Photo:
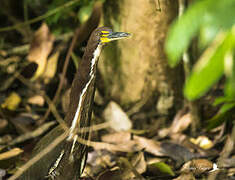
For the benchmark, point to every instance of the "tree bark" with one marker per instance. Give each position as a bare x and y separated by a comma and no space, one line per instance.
135,71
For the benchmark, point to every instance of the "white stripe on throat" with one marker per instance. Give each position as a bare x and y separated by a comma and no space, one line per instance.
76,120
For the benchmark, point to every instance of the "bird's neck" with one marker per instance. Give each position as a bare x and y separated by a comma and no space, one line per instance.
82,88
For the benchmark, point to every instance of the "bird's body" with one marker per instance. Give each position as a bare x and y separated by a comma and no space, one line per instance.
67,160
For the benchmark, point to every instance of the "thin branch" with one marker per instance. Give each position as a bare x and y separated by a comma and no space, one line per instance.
187,68
23,49
48,100
39,131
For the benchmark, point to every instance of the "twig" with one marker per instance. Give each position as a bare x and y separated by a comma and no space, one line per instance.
39,131
103,145
11,153
187,67
25,48
48,100
96,127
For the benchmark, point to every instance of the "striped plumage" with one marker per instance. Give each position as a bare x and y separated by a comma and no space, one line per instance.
67,160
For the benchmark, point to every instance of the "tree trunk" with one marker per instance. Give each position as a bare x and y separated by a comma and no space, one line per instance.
135,71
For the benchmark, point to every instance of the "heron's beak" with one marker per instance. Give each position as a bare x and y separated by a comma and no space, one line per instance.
111,36
118,35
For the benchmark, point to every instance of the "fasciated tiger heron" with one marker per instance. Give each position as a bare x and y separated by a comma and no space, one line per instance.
67,160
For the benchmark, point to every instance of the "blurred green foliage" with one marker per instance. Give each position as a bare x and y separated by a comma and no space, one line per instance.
85,12
78,13
213,23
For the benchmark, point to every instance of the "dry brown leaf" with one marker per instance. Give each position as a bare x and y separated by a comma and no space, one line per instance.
120,141
139,163
9,154
129,146
51,67
118,119
117,138
231,172
162,133
149,145
36,100
3,124
197,166
124,141
3,53
134,167
40,48
181,124
98,161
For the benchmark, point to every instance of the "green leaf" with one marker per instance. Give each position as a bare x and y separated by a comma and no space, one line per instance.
85,12
230,72
220,100
209,68
216,121
229,88
226,107
207,34
54,19
221,14
222,116
205,15
163,167
183,30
